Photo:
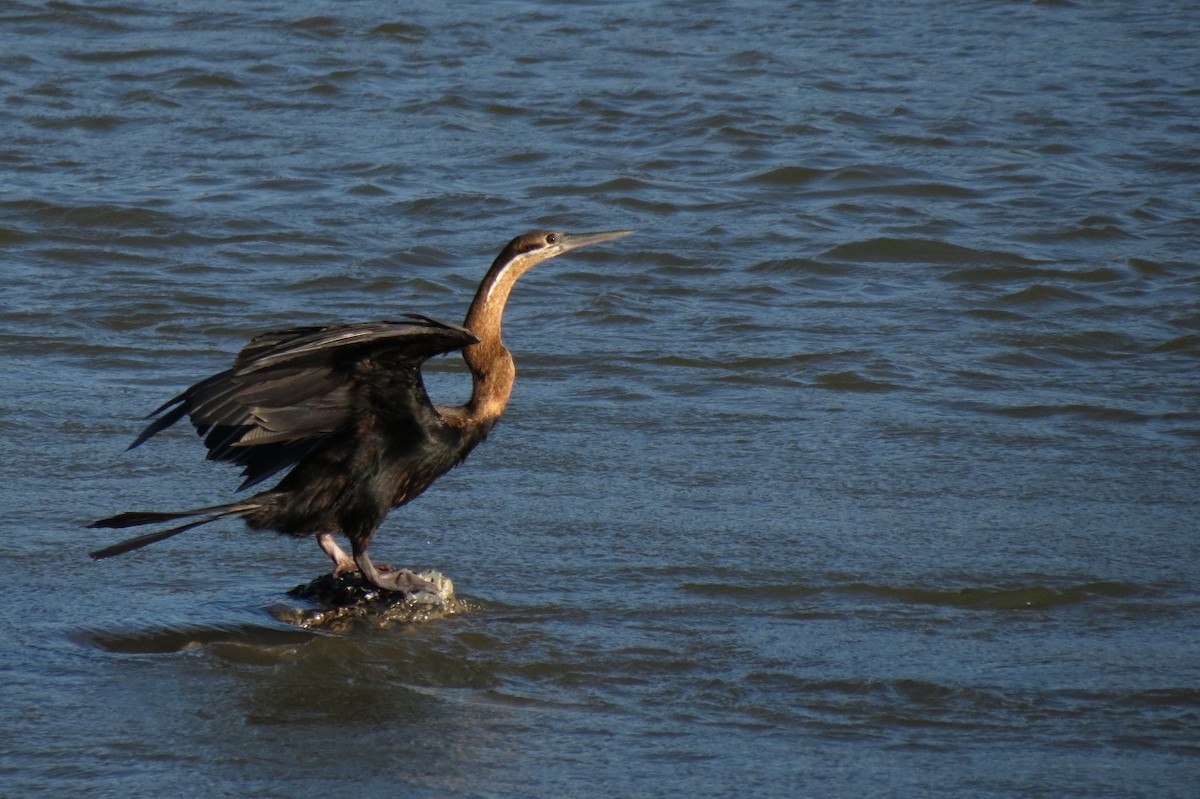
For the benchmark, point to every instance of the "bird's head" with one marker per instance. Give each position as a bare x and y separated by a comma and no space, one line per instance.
530,249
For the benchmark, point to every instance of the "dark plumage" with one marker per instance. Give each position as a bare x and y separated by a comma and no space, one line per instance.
344,407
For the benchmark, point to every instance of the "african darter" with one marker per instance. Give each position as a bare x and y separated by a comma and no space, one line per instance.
345,408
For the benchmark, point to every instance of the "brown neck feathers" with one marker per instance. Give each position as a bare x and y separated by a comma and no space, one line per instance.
491,364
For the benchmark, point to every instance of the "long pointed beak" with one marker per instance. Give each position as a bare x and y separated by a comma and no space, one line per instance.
571,241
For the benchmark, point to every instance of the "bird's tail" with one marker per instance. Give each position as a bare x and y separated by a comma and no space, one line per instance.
135,518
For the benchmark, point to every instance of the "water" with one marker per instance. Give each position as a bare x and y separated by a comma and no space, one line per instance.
869,466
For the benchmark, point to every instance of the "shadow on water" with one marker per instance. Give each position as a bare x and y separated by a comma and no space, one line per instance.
417,649
382,708
270,674
438,653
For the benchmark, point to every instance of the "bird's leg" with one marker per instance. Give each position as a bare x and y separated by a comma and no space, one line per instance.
403,580
342,563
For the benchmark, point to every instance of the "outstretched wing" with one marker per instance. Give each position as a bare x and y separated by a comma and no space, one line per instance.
289,390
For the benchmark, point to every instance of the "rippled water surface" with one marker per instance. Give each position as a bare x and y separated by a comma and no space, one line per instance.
869,466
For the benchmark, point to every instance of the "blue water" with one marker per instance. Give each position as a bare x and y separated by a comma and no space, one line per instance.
869,466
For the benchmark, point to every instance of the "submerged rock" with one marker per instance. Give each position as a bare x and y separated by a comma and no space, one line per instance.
338,603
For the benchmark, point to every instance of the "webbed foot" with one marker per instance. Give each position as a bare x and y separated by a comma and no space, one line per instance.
404,580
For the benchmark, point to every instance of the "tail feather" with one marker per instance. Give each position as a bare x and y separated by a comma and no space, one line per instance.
135,518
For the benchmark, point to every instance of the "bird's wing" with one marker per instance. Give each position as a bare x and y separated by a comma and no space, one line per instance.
289,390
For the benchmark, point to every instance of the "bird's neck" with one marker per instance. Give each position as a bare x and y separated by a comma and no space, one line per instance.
492,369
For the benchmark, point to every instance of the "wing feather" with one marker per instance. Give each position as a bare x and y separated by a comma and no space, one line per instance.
288,391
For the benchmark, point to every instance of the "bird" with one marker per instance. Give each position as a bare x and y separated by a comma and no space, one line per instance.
344,409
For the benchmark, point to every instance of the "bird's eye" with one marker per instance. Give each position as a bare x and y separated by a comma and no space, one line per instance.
552,238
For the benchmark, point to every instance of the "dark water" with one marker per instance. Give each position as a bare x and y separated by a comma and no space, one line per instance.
868,467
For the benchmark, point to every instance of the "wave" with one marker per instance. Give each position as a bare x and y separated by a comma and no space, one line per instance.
896,250
163,640
967,597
